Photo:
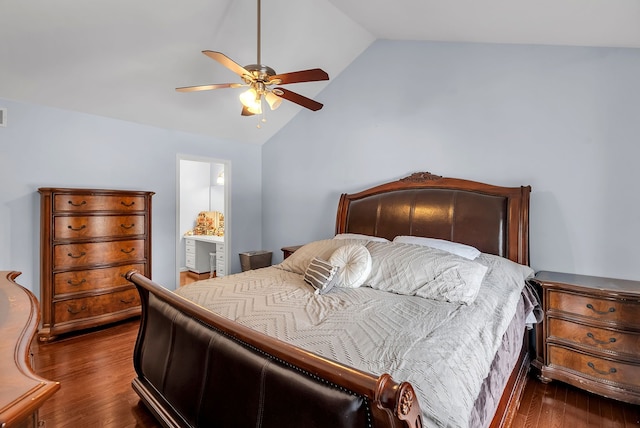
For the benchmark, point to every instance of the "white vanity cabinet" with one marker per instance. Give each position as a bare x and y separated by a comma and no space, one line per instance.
200,250
220,265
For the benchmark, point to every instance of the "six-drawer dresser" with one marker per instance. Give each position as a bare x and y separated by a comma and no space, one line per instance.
590,335
90,239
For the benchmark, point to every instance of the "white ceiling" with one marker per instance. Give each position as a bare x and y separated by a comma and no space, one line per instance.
122,59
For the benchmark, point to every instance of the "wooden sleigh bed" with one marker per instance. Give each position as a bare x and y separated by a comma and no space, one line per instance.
197,368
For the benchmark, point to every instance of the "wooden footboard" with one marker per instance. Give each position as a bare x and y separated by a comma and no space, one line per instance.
195,368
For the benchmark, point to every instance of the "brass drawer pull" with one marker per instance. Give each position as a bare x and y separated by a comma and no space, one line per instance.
82,254
128,204
602,372
71,311
127,251
590,306
75,229
131,300
75,284
77,205
127,226
601,342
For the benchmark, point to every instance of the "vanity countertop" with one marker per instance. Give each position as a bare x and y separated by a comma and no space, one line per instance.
206,238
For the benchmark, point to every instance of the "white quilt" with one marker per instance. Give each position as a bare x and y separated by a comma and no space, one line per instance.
444,349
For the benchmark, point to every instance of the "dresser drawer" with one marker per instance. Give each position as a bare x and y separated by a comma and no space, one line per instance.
593,307
79,227
599,338
220,256
86,203
95,279
594,367
76,255
93,306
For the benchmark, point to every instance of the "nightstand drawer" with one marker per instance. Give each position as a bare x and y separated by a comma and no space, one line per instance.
592,307
594,367
598,338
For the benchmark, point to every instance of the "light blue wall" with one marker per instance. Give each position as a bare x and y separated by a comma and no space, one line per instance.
45,147
565,120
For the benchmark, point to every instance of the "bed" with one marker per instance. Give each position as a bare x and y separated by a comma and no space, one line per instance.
263,348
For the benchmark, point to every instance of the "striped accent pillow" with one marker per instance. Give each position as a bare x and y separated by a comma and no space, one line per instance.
321,275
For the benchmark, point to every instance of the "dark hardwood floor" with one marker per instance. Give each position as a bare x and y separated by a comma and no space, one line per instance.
560,405
95,370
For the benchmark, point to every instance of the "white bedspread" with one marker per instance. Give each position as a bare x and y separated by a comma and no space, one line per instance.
444,349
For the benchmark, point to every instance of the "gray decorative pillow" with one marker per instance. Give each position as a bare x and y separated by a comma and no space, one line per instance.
299,261
321,275
416,270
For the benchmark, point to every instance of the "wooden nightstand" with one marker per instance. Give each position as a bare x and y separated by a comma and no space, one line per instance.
590,336
287,251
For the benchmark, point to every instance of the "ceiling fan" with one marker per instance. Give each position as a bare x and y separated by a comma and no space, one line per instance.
262,82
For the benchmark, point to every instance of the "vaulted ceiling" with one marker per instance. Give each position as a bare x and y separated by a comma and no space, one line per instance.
123,59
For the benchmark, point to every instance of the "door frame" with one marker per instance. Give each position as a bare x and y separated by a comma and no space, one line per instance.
227,207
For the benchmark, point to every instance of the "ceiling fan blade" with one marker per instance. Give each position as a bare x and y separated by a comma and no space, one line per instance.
227,62
298,99
311,75
246,112
209,87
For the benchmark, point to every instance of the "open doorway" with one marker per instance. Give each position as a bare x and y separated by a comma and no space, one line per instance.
202,212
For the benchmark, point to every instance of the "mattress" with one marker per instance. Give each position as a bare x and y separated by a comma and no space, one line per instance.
444,349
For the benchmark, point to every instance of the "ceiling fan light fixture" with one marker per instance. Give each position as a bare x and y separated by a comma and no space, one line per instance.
273,100
252,101
260,79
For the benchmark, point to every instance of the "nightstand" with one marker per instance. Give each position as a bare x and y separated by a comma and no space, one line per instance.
590,336
287,251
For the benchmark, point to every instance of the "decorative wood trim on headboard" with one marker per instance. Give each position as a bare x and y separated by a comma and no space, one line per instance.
457,204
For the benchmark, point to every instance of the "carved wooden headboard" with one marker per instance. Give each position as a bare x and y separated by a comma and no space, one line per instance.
491,218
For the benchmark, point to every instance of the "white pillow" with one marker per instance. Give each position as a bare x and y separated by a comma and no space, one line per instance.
360,236
298,262
354,263
415,270
466,251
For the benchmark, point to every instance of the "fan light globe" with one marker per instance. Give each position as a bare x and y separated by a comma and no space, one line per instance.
273,100
252,101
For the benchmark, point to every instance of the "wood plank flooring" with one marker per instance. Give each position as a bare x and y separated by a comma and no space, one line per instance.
557,405
95,370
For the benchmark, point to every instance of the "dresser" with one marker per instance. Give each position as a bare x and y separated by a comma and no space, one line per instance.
22,391
590,336
89,240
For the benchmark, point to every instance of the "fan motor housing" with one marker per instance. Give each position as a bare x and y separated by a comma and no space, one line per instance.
260,72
